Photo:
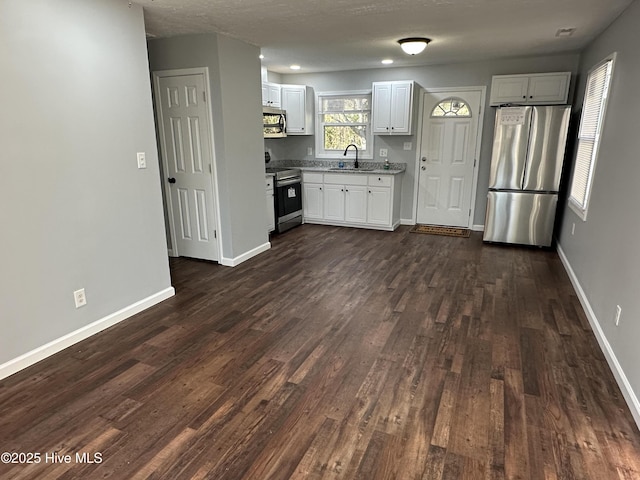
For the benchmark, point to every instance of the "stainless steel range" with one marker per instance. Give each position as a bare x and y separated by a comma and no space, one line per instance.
288,197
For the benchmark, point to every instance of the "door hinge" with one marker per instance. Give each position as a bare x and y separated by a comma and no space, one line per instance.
475,161
204,96
211,168
215,234
469,213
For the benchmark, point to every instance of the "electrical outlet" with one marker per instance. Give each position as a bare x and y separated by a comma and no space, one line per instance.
309,151
383,152
407,146
80,298
142,161
573,229
618,313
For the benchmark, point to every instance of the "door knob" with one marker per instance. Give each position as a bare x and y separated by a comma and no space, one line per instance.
171,180
424,168
424,159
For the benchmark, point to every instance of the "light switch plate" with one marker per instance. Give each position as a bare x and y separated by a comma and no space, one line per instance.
407,146
142,161
309,151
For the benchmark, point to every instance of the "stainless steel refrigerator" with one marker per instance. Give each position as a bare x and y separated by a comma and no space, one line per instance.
526,164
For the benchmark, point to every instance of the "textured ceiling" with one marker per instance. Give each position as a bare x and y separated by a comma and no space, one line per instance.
331,35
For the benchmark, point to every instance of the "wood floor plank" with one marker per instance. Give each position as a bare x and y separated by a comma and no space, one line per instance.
338,354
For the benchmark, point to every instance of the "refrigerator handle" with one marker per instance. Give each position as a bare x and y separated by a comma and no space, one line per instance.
532,125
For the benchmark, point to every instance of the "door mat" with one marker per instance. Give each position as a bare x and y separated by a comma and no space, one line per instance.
448,231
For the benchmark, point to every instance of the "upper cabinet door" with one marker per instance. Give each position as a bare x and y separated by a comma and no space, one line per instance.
549,88
392,107
509,89
271,95
297,101
401,108
534,89
381,107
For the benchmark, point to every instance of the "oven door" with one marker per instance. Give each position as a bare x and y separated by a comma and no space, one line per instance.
289,198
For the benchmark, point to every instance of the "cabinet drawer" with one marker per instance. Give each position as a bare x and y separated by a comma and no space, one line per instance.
380,180
311,177
269,182
345,179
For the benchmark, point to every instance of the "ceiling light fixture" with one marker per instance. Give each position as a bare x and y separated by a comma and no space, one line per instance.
387,61
565,32
413,45
261,57
295,67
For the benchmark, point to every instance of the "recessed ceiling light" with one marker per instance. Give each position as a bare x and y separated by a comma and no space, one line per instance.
261,57
565,32
387,61
295,67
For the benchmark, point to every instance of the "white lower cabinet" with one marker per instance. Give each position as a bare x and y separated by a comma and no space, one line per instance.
334,202
379,206
366,201
313,201
355,204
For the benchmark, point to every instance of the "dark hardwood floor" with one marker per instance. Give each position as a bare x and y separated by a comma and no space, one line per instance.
338,354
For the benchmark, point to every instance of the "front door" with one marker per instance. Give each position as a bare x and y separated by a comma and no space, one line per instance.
187,151
447,157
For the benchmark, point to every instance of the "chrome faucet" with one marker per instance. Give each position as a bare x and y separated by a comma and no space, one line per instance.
355,165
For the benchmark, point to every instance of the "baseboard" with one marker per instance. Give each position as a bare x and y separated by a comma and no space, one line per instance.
408,221
40,353
605,346
232,262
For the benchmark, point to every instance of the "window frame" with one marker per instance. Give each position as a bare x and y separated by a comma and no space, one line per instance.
319,141
581,209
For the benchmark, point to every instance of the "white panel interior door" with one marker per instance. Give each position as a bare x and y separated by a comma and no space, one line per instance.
187,152
446,175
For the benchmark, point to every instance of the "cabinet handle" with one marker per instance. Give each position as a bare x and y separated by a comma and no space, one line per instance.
424,168
320,188
530,96
524,96
369,191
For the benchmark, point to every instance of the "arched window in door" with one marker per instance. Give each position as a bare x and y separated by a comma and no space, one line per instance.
451,107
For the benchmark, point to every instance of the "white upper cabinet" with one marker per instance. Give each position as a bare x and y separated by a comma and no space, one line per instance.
392,107
271,95
534,89
297,101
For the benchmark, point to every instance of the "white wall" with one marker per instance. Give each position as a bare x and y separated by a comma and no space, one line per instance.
454,75
76,212
234,73
603,253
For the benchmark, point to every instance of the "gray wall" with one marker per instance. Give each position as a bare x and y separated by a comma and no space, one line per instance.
234,74
456,75
603,252
76,107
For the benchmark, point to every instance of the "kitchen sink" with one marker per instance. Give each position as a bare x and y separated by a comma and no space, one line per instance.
352,169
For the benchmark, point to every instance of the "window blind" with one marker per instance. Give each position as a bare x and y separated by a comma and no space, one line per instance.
589,134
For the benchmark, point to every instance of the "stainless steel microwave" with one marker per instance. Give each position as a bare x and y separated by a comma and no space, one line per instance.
274,122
